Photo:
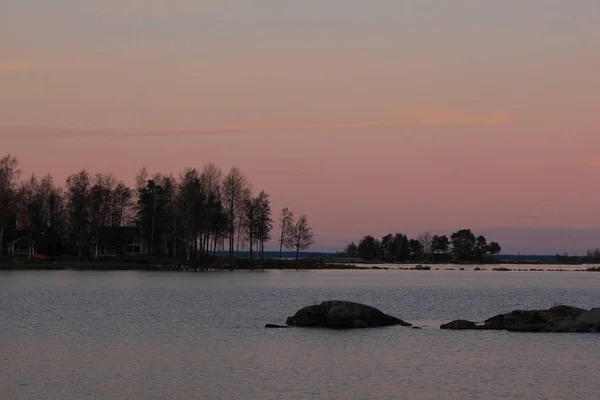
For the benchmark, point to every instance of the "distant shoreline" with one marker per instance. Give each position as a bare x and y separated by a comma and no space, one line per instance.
229,265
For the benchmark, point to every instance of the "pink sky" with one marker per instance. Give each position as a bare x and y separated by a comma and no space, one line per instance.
369,117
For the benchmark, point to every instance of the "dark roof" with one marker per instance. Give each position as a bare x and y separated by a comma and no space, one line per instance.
13,236
116,235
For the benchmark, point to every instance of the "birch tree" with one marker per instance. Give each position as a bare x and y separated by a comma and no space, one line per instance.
78,196
236,188
301,235
286,220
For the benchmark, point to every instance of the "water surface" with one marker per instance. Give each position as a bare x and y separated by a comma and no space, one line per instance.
142,335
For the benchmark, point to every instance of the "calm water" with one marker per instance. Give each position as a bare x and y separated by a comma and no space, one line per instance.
138,335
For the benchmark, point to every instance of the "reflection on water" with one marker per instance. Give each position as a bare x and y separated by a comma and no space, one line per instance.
138,335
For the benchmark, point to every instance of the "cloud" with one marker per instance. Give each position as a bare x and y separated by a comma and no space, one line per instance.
411,117
239,129
414,117
32,131
264,128
432,116
5,66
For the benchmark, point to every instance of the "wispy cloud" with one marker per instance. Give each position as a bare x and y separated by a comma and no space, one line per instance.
48,132
434,116
415,117
7,66
264,128
412,117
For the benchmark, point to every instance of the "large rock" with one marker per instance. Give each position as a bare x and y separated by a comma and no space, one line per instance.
566,312
527,320
459,324
556,319
528,328
590,318
342,314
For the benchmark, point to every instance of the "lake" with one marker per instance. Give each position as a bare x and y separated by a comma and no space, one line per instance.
145,335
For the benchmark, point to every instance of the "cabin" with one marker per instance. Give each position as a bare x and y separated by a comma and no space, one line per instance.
18,243
114,241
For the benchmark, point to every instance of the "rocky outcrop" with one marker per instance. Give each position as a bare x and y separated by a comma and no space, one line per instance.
556,319
275,326
459,324
344,315
590,318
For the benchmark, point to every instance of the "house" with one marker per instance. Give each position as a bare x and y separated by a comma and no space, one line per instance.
18,243
113,241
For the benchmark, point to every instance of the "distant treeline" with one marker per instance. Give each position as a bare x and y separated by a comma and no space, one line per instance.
190,216
461,246
592,256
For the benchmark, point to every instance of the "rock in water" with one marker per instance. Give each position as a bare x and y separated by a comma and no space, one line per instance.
590,318
459,324
342,314
557,319
275,326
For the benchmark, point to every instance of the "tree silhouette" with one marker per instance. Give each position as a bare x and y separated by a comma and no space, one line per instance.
301,235
463,244
235,189
286,221
78,198
440,244
368,248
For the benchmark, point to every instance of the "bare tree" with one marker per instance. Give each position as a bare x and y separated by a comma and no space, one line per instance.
29,209
101,200
141,179
426,240
286,220
211,182
265,221
78,194
301,235
151,213
9,173
235,191
170,220
250,220
211,179
52,215
121,204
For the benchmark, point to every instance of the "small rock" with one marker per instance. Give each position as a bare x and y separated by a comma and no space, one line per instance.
459,324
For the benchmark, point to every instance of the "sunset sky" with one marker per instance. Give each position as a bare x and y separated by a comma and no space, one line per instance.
369,116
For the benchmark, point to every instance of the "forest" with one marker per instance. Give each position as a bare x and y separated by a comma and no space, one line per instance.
189,216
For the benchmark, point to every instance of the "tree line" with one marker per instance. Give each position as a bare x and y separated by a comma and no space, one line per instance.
592,256
462,245
192,215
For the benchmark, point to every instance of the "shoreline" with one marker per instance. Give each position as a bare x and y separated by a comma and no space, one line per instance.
286,266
